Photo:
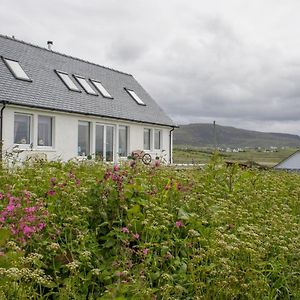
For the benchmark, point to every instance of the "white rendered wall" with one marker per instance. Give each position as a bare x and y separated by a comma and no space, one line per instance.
65,134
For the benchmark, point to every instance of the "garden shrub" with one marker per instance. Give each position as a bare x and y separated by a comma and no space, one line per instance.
86,230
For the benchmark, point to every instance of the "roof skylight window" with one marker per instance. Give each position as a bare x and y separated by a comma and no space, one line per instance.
15,68
135,97
67,81
101,89
86,86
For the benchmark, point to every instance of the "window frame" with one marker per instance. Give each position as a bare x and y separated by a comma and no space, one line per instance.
126,138
150,139
5,60
90,137
99,90
135,96
105,126
160,139
78,77
52,132
58,72
30,129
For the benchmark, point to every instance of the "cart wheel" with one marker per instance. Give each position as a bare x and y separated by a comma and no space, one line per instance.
146,159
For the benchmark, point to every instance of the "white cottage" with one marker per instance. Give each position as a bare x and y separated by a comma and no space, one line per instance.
64,107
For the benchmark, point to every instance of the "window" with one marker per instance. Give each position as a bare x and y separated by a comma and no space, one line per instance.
83,138
157,139
84,83
67,81
100,141
15,68
22,129
109,155
147,139
105,142
123,141
135,97
101,89
45,127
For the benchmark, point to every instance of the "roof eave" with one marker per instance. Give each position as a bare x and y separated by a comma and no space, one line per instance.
88,114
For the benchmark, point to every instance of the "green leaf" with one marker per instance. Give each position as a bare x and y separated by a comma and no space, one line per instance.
4,236
133,211
109,243
182,214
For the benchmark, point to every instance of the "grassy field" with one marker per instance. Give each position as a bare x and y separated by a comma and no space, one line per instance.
203,156
91,231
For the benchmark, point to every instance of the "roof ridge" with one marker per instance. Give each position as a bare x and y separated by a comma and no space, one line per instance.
62,54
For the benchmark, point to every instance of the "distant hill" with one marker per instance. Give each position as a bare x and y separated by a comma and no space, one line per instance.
202,135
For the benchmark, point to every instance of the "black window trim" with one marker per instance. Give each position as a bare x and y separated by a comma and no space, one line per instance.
11,70
127,90
62,72
92,81
87,80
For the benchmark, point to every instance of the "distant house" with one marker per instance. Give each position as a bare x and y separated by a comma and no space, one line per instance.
290,163
64,107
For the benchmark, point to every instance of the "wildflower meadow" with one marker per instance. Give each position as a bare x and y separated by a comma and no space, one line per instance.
86,230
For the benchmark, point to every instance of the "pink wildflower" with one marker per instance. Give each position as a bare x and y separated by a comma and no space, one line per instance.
51,193
11,199
115,177
41,226
2,253
30,209
157,163
31,218
27,194
28,230
125,230
78,181
179,224
178,186
71,175
145,251
1,196
116,168
10,207
136,236
107,175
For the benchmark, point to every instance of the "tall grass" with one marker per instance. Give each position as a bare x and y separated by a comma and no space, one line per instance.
89,231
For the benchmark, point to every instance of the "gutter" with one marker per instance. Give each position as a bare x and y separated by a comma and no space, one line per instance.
90,114
1,129
170,145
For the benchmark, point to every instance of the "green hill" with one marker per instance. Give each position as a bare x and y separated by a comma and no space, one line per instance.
202,135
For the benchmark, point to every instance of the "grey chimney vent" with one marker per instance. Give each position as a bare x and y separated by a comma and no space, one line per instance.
50,44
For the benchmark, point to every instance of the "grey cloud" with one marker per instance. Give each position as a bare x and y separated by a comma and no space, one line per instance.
201,61
126,50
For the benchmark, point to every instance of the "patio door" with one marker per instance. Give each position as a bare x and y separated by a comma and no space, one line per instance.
105,142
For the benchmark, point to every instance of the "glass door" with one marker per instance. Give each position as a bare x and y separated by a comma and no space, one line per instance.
109,143
104,144
99,151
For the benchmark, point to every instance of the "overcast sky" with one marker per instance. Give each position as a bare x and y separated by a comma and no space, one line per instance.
234,61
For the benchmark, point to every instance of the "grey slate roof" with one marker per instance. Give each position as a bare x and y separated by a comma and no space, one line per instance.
47,90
